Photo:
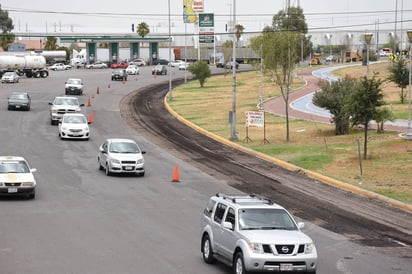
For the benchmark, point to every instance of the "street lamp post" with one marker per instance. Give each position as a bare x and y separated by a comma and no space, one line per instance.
408,135
368,38
233,135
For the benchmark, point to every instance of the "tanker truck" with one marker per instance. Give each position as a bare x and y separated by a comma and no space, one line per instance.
30,65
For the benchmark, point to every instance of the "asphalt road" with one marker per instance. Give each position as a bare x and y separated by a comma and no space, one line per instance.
85,222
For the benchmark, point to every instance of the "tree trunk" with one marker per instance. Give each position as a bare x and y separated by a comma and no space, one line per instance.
365,143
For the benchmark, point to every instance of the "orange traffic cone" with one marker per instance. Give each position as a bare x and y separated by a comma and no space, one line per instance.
92,95
97,90
176,175
88,102
91,119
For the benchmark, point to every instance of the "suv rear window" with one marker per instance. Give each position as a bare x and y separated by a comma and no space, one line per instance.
209,208
220,211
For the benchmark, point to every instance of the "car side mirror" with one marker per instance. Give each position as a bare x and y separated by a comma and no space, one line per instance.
301,225
50,103
82,105
143,152
228,225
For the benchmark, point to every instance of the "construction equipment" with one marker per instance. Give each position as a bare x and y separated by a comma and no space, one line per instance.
352,56
316,59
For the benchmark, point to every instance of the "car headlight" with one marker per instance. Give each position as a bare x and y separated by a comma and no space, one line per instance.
115,161
140,161
54,110
256,247
27,184
310,248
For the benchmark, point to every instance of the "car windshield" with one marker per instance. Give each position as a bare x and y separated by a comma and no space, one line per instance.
66,101
124,147
74,119
18,96
252,219
8,74
74,81
13,167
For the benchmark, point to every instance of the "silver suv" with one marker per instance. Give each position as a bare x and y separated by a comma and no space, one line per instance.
62,105
251,233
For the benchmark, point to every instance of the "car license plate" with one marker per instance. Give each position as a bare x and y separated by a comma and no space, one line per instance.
128,168
12,190
286,267
17,106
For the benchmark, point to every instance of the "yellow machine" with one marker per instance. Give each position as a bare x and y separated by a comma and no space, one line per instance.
352,56
316,59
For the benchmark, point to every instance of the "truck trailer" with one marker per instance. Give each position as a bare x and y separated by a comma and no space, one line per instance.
29,65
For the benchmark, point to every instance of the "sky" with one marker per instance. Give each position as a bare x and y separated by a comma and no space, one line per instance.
80,16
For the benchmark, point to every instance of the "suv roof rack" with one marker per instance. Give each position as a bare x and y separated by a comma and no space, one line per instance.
245,199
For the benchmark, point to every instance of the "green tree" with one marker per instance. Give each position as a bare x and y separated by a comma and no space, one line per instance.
50,43
364,104
201,71
280,55
292,19
399,74
383,114
143,29
6,26
238,32
334,97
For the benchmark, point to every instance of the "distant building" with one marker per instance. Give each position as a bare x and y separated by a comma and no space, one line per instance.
19,47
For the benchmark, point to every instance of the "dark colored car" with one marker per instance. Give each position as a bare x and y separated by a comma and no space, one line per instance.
119,74
19,100
229,65
161,62
159,70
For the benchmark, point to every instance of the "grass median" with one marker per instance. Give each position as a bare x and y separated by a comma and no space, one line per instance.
312,145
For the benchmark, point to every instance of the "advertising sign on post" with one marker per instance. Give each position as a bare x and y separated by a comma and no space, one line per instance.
206,28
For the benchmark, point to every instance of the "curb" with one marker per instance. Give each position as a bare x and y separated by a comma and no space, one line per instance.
293,168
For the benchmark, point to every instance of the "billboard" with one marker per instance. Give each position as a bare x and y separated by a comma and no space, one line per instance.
190,10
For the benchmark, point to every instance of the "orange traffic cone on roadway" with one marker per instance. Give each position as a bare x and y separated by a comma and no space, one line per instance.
88,102
91,119
97,90
176,175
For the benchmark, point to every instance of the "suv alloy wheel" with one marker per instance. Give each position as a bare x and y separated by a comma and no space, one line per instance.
207,250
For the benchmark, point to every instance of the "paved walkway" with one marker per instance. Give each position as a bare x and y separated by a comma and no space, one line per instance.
277,105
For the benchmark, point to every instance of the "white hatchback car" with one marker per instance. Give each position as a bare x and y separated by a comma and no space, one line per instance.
133,70
16,177
121,156
74,126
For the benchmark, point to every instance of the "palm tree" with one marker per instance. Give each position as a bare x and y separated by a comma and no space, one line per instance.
51,43
239,31
143,29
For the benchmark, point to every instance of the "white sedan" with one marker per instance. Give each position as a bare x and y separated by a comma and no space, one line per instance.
74,126
59,66
133,70
176,63
16,177
121,156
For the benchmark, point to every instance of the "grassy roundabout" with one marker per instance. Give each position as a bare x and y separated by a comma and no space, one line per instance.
312,146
